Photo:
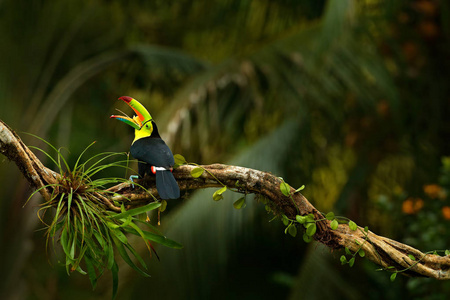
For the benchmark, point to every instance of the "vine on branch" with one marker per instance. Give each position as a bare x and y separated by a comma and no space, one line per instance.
79,200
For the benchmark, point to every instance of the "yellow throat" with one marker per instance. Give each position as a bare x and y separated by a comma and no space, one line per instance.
145,131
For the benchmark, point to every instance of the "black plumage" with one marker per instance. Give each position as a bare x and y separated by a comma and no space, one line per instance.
153,151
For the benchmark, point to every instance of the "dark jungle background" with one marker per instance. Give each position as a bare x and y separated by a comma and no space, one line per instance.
350,98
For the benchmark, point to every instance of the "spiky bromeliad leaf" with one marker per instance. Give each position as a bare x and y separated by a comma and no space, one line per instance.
123,253
115,278
137,211
87,231
156,238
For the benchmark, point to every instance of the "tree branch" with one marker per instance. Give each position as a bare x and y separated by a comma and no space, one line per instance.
380,250
31,167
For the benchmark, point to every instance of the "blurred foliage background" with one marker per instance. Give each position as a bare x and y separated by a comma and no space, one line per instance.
350,98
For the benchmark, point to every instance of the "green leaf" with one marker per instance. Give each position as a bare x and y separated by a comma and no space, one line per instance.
69,203
330,216
100,239
393,276
126,221
112,225
311,229
334,224
300,189
310,218
292,230
136,211
218,194
347,251
362,253
119,235
197,172
80,270
366,229
123,253
138,257
285,220
115,279
285,189
163,205
307,238
411,257
447,252
179,159
217,197
137,229
300,219
263,200
110,255
160,239
240,203
64,240
351,262
343,259
72,248
352,225
91,272
69,261
153,228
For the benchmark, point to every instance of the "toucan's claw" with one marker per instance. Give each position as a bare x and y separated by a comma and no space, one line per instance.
131,179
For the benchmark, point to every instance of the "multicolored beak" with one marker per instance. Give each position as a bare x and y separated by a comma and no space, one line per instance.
142,115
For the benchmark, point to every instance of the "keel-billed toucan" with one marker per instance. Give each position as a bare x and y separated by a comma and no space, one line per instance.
153,154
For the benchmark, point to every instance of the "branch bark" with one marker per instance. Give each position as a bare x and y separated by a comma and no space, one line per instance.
380,250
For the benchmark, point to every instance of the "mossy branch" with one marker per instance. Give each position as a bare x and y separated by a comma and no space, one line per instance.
381,250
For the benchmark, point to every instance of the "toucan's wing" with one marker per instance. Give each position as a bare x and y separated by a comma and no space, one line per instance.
153,151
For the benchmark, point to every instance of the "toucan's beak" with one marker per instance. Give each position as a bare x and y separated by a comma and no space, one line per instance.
142,115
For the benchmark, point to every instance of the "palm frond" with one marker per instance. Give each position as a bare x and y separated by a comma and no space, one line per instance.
294,73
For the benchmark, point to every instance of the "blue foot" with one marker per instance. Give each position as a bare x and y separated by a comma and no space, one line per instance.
131,179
